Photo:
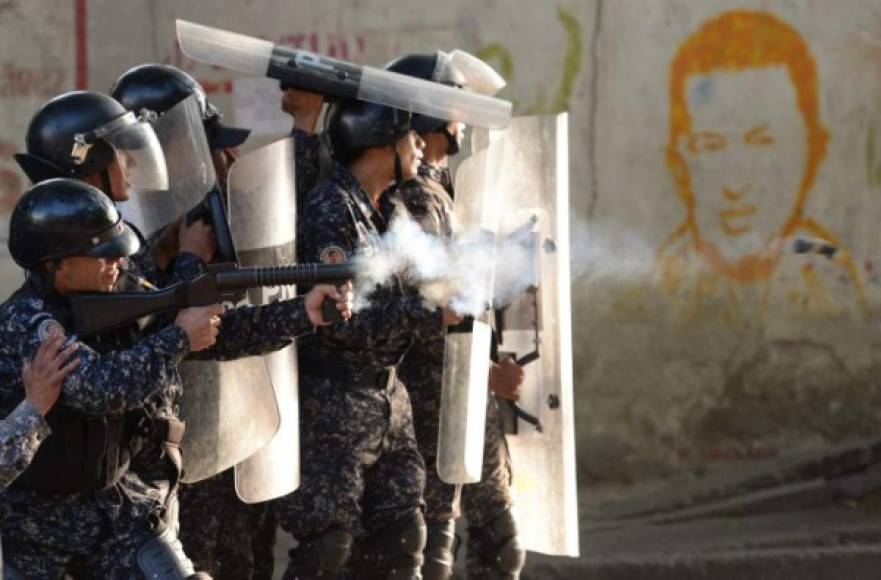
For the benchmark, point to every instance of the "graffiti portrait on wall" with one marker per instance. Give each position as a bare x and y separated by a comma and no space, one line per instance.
745,145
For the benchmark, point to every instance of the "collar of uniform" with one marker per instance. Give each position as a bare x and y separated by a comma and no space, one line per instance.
441,175
304,139
352,186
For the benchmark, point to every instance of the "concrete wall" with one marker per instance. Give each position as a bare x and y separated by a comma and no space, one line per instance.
698,343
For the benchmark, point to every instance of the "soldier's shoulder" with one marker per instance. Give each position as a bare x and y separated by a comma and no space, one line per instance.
22,310
325,200
422,191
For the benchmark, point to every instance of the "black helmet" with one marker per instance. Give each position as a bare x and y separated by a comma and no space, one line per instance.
159,87
356,125
54,130
427,67
59,218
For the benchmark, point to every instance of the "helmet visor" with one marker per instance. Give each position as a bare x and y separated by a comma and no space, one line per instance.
139,153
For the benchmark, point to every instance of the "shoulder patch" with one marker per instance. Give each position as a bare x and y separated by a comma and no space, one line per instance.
332,255
49,328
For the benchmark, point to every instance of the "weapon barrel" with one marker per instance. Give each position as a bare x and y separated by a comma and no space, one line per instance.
243,278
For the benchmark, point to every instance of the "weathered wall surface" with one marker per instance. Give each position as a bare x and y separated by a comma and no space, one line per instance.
724,130
704,136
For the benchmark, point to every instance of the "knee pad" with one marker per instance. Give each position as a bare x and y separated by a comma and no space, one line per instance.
439,552
163,558
501,544
406,541
323,555
395,553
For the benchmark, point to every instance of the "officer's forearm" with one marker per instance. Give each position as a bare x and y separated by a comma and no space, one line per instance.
20,435
186,267
256,330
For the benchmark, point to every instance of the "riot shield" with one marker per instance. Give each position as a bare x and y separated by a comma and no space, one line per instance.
190,170
535,327
262,220
231,407
230,412
467,347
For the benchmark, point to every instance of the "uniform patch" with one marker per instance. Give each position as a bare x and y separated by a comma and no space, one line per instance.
49,328
332,255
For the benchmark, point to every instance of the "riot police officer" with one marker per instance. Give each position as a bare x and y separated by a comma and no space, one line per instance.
222,534
362,475
77,499
115,439
90,136
492,547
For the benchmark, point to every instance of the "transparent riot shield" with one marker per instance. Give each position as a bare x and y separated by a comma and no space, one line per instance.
262,216
535,327
467,348
230,407
190,170
230,412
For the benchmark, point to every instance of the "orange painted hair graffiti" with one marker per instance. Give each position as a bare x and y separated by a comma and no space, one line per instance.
738,40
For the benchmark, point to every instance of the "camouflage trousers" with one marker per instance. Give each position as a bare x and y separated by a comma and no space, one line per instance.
360,467
480,502
224,536
88,540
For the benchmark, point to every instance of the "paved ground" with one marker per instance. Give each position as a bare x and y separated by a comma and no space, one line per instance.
815,515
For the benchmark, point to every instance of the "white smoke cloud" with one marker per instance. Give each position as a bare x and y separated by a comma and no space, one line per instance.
460,273
603,251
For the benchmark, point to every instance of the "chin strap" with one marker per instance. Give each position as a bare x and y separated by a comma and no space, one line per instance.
399,171
452,143
105,183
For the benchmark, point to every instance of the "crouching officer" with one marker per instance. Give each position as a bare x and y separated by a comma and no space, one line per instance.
78,501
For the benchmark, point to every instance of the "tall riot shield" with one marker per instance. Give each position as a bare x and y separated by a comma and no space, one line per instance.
190,170
262,221
467,348
536,326
230,407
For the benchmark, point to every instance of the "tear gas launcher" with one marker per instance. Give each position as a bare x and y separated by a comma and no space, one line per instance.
101,311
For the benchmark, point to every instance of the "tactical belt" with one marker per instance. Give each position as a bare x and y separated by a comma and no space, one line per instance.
342,372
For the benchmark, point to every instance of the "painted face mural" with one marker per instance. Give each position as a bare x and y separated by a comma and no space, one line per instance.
744,147
742,161
745,139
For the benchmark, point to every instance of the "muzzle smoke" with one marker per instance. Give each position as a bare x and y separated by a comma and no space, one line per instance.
478,268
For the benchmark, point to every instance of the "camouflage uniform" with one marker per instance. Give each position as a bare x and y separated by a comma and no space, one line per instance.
223,535
429,200
306,148
20,435
99,533
361,471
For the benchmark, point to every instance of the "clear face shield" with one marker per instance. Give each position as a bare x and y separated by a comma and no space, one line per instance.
135,147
